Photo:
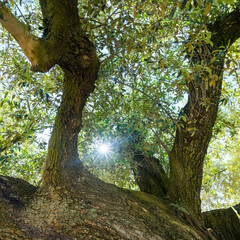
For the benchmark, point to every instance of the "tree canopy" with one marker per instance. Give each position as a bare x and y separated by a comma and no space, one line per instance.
156,81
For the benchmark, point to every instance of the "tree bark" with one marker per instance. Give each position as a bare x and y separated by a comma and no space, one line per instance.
62,148
195,128
224,223
64,43
150,175
33,47
148,171
80,66
96,211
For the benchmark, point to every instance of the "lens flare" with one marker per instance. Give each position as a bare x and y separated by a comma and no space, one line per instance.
104,149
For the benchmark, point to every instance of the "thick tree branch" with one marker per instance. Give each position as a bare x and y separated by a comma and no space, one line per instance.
56,12
33,47
148,171
226,30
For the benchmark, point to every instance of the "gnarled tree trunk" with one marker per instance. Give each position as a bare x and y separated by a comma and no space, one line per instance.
63,43
87,207
62,148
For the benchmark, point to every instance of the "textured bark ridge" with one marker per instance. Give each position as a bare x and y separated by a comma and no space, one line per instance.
13,194
90,209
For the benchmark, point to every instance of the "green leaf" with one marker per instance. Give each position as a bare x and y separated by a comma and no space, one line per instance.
184,118
47,97
122,160
207,9
229,1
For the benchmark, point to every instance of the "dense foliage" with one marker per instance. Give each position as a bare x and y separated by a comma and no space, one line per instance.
144,47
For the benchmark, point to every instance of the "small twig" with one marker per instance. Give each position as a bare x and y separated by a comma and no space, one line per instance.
161,142
20,12
7,51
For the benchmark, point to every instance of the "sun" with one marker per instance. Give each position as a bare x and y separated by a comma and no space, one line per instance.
104,149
